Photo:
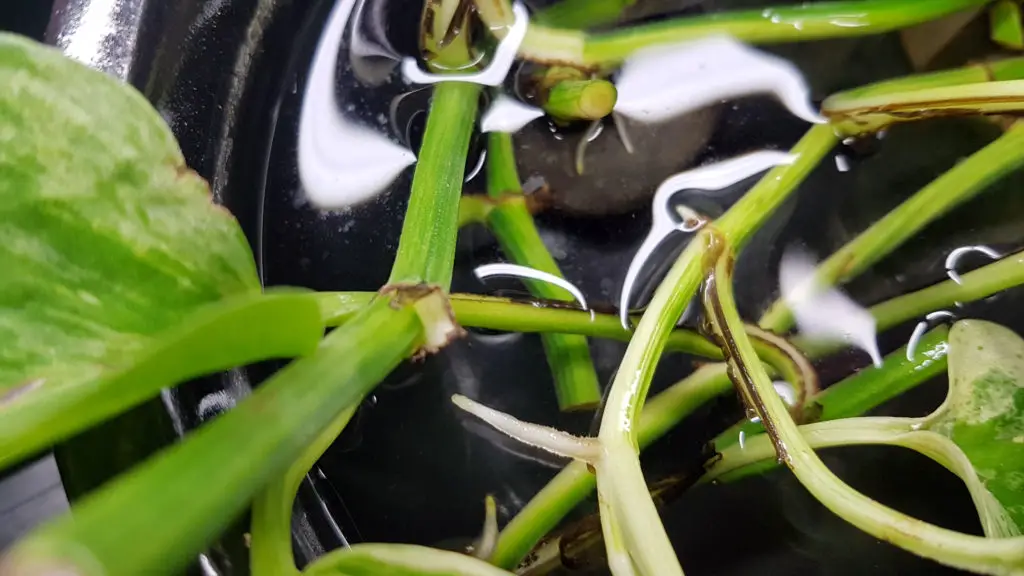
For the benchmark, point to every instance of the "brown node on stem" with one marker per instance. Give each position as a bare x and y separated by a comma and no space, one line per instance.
434,310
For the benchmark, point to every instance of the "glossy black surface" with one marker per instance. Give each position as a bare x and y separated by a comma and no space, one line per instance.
228,77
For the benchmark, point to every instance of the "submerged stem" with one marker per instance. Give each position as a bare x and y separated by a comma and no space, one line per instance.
576,383
956,186
991,556
802,22
877,107
426,249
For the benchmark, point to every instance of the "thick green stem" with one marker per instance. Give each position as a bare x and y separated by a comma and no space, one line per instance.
576,383
798,23
167,508
426,249
986,555
959,184
426,254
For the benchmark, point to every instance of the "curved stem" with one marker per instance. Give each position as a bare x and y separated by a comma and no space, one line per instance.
270,550
620,479
986,555
757,455
864,390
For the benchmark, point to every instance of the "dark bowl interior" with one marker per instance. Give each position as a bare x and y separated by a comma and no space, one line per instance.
229,76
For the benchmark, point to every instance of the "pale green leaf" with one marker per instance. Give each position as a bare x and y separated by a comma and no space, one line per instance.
108,242
984,411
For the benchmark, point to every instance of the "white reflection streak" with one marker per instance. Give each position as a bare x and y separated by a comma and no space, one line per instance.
495,73
786,392
954,258
922,327
508,115
915,339
476,169
825,313
517,271
659,83
710,177
340,163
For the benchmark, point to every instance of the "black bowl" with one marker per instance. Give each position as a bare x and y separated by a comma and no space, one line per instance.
228,76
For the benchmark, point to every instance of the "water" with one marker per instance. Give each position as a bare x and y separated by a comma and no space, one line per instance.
412,468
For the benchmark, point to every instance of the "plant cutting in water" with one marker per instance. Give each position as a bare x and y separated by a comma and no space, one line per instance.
122,278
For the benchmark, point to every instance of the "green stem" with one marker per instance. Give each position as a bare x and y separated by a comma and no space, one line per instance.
959,184
737,225
663,412
426,249
757,455
581,13
576,383
797,23
867,114
426,254
399,560
235,332
756,206
986,555
506,315
975,285
992,71
623,483
1006,25
865,390
155,519
270,549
